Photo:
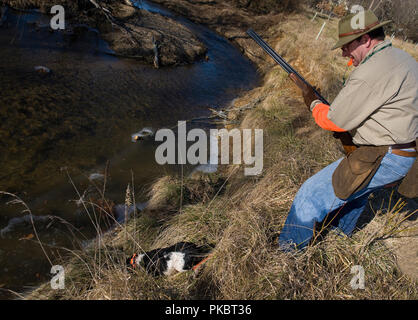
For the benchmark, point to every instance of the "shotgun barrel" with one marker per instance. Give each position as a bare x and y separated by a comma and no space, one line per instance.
345,137
276,57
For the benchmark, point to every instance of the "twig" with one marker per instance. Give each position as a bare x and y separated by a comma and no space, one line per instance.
113,21
377,6
320,31
155,49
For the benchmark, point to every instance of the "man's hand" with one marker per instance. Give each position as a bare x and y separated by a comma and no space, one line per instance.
308,93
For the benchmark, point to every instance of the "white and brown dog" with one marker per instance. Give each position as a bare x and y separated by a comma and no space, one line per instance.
180,257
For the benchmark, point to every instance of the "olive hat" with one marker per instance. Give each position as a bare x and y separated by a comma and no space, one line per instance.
346,31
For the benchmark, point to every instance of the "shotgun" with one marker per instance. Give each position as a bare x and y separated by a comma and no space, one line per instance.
345,137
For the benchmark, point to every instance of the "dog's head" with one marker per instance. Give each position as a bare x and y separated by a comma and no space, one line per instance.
135,260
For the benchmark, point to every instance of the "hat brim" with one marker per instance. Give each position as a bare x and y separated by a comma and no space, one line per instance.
348,39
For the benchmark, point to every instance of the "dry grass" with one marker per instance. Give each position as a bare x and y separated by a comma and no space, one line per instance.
241,216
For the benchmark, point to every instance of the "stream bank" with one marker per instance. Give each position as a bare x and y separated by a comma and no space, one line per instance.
130,32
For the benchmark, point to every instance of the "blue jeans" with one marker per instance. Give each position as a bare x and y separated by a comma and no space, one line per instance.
316,201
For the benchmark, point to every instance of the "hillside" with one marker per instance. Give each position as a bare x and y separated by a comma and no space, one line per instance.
241,216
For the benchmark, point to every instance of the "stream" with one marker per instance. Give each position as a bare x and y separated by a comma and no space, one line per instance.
60,131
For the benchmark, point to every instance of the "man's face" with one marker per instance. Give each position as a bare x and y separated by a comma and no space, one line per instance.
354,50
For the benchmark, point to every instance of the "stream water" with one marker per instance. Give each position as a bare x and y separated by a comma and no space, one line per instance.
78,119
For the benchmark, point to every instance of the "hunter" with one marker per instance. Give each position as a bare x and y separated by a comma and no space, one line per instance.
378,106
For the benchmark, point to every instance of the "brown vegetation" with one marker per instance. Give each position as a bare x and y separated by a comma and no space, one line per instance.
402,13
267,6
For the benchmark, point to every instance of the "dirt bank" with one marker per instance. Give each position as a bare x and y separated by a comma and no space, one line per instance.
130,32
232,18
146,36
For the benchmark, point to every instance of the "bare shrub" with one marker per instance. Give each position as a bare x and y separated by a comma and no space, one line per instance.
402,13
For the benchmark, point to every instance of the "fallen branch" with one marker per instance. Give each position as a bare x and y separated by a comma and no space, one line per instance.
155,49
99,7
114,22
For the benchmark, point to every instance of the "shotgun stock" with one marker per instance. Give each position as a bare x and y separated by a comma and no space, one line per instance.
345,137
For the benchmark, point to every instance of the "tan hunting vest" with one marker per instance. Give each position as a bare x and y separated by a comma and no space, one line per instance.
379,101
379,105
